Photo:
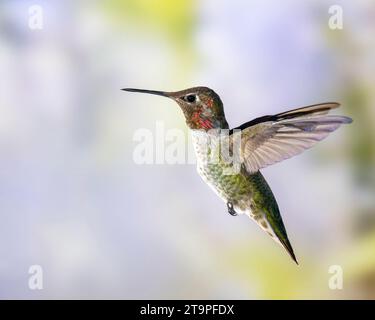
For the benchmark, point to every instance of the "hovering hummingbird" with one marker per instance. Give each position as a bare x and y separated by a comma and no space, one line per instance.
263,142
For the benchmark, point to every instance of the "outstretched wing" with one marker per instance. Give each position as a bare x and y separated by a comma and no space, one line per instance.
270,139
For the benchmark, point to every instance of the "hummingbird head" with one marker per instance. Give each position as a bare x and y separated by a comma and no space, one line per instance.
201,106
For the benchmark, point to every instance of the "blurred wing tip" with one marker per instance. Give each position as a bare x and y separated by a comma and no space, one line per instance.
334,104
348,120
342,119
330,104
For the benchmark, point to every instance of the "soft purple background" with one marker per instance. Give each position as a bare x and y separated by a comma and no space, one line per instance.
73,201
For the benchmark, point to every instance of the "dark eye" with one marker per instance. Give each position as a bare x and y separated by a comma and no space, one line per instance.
190,98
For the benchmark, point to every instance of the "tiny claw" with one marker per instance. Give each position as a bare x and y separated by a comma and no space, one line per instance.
231,210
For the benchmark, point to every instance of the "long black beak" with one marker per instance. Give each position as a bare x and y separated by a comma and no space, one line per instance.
158,93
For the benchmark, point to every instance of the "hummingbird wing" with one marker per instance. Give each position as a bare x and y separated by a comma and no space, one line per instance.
270,139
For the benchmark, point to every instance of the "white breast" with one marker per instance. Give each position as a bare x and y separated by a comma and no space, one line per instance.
205,143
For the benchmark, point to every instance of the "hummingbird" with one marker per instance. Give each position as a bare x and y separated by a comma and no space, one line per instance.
263,141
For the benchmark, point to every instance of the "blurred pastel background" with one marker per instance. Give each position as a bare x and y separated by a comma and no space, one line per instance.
73,201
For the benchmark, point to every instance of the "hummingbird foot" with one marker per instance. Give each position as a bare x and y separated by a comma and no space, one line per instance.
231,211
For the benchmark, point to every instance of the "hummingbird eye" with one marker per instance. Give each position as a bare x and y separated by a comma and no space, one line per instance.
190,98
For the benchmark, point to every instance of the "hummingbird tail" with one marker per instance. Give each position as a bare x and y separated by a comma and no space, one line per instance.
288,247
277,233
265,211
